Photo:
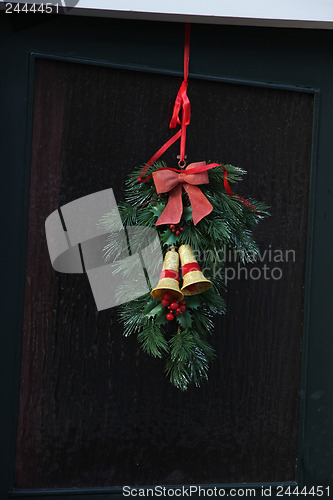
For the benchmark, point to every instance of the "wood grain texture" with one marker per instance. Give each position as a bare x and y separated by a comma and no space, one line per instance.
94,410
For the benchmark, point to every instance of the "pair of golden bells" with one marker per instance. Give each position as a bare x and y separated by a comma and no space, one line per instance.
194,281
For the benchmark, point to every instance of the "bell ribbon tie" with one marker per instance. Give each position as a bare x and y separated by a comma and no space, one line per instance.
188,268
172,181
169,273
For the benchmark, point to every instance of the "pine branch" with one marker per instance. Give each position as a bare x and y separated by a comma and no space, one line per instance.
177,364
152,340
132,315
188,360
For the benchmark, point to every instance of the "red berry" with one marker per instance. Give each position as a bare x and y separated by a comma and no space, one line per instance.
165,302
191,288
177,233
182,229
173,230
174,305
182,308
172,226
167,296
178,312
169,317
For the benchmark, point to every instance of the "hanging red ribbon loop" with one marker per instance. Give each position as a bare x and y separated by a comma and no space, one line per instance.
182,103
174,180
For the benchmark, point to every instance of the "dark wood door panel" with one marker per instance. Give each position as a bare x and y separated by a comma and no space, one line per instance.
95,411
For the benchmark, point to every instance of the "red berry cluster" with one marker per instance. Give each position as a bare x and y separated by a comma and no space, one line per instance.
175,228
174,307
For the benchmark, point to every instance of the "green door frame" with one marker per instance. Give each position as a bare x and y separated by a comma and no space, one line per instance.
292,59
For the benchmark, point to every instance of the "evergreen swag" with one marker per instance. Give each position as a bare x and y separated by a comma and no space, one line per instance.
183,342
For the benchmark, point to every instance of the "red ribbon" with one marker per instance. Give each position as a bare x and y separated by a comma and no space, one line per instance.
182,103
169,273
188,268
230,193
171,181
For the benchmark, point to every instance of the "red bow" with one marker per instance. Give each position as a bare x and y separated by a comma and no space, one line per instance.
169,181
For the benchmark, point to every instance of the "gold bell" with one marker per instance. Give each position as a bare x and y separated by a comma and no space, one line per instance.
169,279
193,279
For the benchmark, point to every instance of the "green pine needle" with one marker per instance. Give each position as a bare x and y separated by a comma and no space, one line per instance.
152,340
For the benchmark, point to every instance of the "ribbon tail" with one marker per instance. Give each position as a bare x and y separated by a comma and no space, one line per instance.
199,203
174,208
176,110
227,187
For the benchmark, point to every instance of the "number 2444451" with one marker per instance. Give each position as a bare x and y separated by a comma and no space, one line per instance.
43,8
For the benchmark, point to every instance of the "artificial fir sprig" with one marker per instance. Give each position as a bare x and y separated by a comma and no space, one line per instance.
183,340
